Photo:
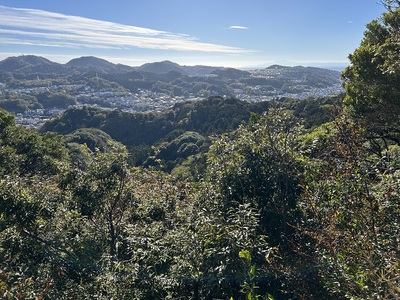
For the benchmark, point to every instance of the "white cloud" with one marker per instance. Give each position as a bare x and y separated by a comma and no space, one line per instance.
238,27
37,27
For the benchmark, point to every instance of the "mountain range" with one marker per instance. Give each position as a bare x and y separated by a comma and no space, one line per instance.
36,64
171,79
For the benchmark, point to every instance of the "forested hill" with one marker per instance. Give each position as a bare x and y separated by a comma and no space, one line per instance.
211,116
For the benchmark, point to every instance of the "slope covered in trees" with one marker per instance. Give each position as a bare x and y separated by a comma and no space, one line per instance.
265,220
97,228
152,137
211,116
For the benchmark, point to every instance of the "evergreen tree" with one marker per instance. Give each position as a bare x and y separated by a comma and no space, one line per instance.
372,79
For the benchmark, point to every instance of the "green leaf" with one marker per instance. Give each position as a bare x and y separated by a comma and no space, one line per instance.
245,254
253,271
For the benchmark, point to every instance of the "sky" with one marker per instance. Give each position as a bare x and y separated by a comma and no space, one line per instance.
229,33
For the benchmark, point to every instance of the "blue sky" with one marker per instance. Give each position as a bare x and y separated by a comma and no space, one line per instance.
249,33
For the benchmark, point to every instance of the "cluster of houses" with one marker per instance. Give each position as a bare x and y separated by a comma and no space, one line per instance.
142,101
146,100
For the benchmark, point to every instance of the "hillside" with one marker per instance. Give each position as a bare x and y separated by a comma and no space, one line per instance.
76,203
162,67
30,64
210,116
304,75
90,63
174,134
230,73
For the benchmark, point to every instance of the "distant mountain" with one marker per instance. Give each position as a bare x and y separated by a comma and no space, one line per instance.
161,67
166,66
306,75
173,79
94,64
199,70
30,64
277,67
230,73
301,70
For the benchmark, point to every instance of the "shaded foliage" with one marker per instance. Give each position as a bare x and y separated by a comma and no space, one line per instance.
313,112
91,137
211,116
352,205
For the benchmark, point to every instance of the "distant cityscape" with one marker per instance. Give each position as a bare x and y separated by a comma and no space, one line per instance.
252,86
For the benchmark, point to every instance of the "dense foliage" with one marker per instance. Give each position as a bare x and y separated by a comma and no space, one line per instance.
210,116
372,78
155,138
275,215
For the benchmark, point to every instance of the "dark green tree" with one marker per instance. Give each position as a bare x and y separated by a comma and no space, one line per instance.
372,78
352,211
99,191
260,167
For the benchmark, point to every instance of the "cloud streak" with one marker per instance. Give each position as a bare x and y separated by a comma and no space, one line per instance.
21,26
238,27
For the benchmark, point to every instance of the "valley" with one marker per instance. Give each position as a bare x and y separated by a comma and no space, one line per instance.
36,89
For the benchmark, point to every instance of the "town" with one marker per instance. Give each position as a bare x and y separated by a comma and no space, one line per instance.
37,98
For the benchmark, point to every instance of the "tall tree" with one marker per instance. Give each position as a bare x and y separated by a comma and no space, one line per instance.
352,213
372,79
260,167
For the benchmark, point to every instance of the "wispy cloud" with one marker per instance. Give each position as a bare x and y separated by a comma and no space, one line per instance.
238,27
42,28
